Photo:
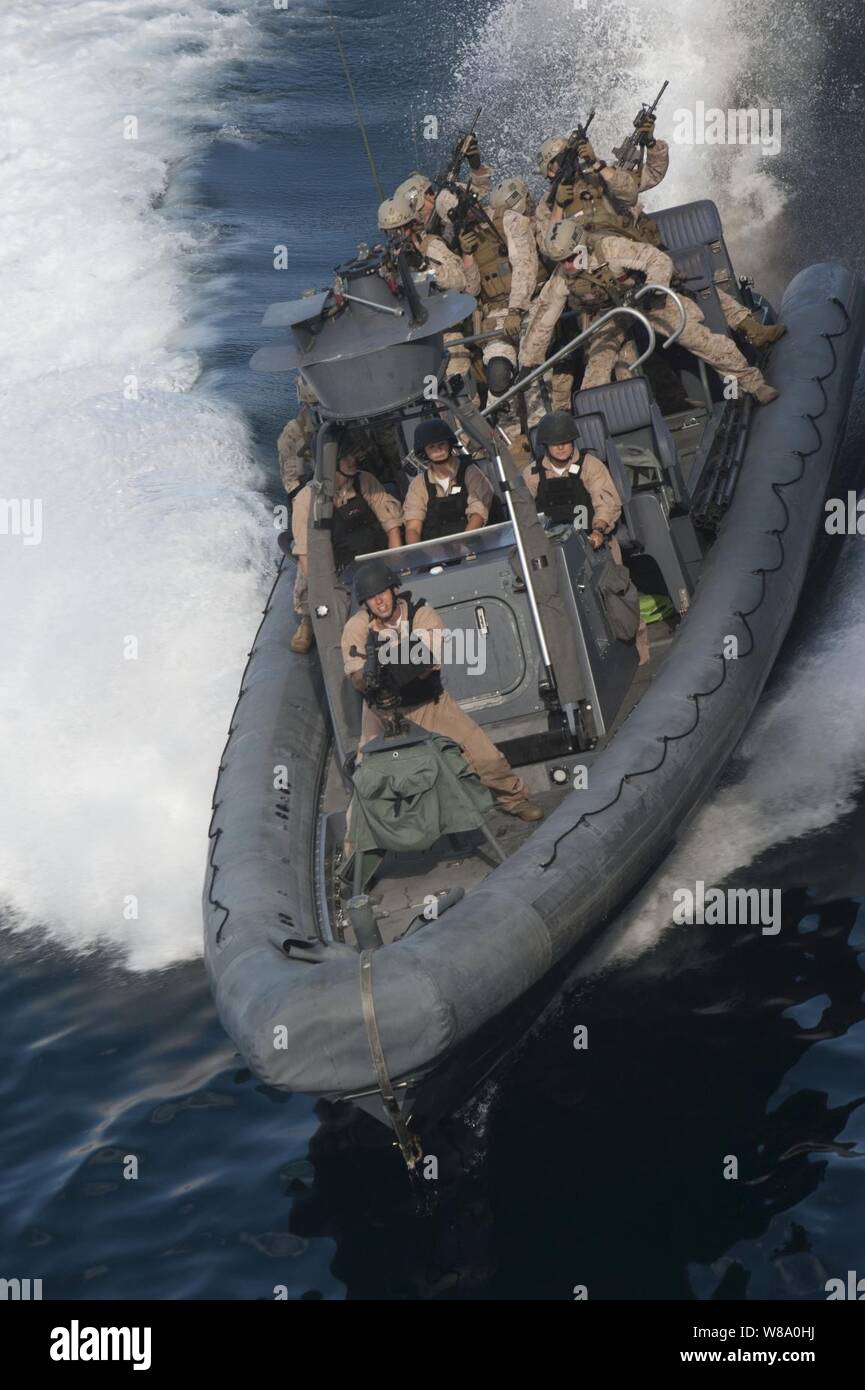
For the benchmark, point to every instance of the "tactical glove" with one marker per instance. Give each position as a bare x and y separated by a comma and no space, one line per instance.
586,150
472,152
513,323
646,131
470,240
564,194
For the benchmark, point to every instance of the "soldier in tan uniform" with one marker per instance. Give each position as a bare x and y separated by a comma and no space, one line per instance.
365,518
404,218
566,478
654,170
294,443
422,696
601,195
588,280
453,495
506,257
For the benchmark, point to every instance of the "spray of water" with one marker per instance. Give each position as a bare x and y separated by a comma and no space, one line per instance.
124,629
541,65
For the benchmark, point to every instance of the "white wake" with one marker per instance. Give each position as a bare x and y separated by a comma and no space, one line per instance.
153,532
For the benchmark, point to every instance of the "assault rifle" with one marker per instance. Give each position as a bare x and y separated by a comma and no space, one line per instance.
380,690
450,175
629,155
569,160
470,213
460,150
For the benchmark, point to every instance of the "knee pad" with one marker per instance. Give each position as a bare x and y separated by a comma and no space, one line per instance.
500,375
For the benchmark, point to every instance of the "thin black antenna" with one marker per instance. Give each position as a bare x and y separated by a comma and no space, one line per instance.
357,113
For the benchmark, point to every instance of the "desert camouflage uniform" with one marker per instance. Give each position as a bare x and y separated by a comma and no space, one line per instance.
607,349
518,233
294,443
450,274
653,172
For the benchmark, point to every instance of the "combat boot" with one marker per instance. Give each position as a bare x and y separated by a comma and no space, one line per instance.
526,810
766,394
304,638
761,335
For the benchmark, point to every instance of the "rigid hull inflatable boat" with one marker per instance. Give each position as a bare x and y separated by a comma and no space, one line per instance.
348,990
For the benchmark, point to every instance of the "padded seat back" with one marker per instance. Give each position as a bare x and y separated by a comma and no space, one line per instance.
628,408
693,225
695,268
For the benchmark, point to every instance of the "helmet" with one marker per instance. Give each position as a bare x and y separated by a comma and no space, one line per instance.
305,393
445,203
563,239
433,432
557,428
511,195
551,149
395,212
413,190
373,577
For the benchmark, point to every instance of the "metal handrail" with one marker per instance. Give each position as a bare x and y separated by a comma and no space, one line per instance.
593,328
677,332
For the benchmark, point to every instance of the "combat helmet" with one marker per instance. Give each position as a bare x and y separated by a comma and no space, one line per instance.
433,432
557,427
305,393
563,239
551,149
395,212
373,578
414,189
512,195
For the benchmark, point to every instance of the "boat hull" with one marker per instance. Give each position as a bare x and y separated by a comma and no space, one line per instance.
299,1024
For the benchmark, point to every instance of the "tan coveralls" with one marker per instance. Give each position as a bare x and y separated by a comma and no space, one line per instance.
479,492
598,482
387,510
606,511
443,716
605,350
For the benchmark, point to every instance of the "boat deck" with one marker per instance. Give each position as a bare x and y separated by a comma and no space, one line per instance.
403,883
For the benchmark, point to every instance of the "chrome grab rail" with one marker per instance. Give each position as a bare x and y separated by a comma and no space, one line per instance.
593,328
665,289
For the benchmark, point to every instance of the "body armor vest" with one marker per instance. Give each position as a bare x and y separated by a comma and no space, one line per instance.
558,498
591,290
446,516
356,530
597,213
420,690
492,262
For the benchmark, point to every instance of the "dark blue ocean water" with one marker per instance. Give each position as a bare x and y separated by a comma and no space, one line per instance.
603,1167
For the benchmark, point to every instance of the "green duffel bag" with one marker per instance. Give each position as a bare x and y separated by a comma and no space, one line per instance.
405,798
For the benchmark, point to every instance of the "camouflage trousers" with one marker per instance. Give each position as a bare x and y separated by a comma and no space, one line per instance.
613,350
301,594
